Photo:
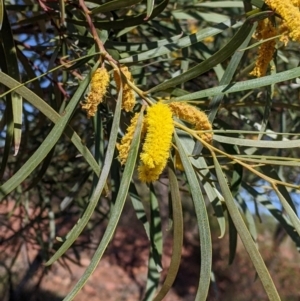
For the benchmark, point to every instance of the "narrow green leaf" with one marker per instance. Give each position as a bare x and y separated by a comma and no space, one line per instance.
228,75
155,229
46,145
248,216
150,5
7,121
78,228
218,4
41,105
125,21
166,48
290,212
128,47
225,80
74,191
113,5
215,198
203,224
46,163
78,64
245,236
272,173
242,86
282,219
217,58
39,17
199,16
177,236
152,278
155,237
232,240
12,70
30,73
118,206
139,208
283,144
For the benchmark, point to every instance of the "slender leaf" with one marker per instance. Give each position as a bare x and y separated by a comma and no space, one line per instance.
203,224
245,236
150,6
117,208
290,212
177,237
78,228
41,105
242,86
12,67
113,5
125,21
46,145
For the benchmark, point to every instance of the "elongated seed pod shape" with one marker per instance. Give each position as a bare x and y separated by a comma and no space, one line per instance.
128,96
124,146
99,84
265,30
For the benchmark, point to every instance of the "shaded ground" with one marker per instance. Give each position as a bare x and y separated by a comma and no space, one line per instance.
121,274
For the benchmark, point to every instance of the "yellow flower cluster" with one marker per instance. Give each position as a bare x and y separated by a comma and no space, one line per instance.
128,97
265,30
158,128
99,84
124,146
155,153
193,116
289,11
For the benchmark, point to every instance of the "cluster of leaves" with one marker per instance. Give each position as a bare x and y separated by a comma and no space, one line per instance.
54,47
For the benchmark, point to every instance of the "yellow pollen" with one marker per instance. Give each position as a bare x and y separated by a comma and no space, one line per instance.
124,146
128,96
155,153
193,116
99,84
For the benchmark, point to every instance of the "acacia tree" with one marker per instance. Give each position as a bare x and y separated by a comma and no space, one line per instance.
102,99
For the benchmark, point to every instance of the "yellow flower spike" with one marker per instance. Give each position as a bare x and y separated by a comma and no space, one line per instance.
266,50
155,152
193,116
148,175
290,13
99,84
128,97
124,146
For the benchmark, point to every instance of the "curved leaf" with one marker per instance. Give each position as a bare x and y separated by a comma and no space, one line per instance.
117,208
177,237
112,5
125,21
46,145
245,236
242,86
217,58
41,105
203,224
12,68
78,228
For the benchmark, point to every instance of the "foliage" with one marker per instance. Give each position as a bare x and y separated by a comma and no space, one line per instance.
58,58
